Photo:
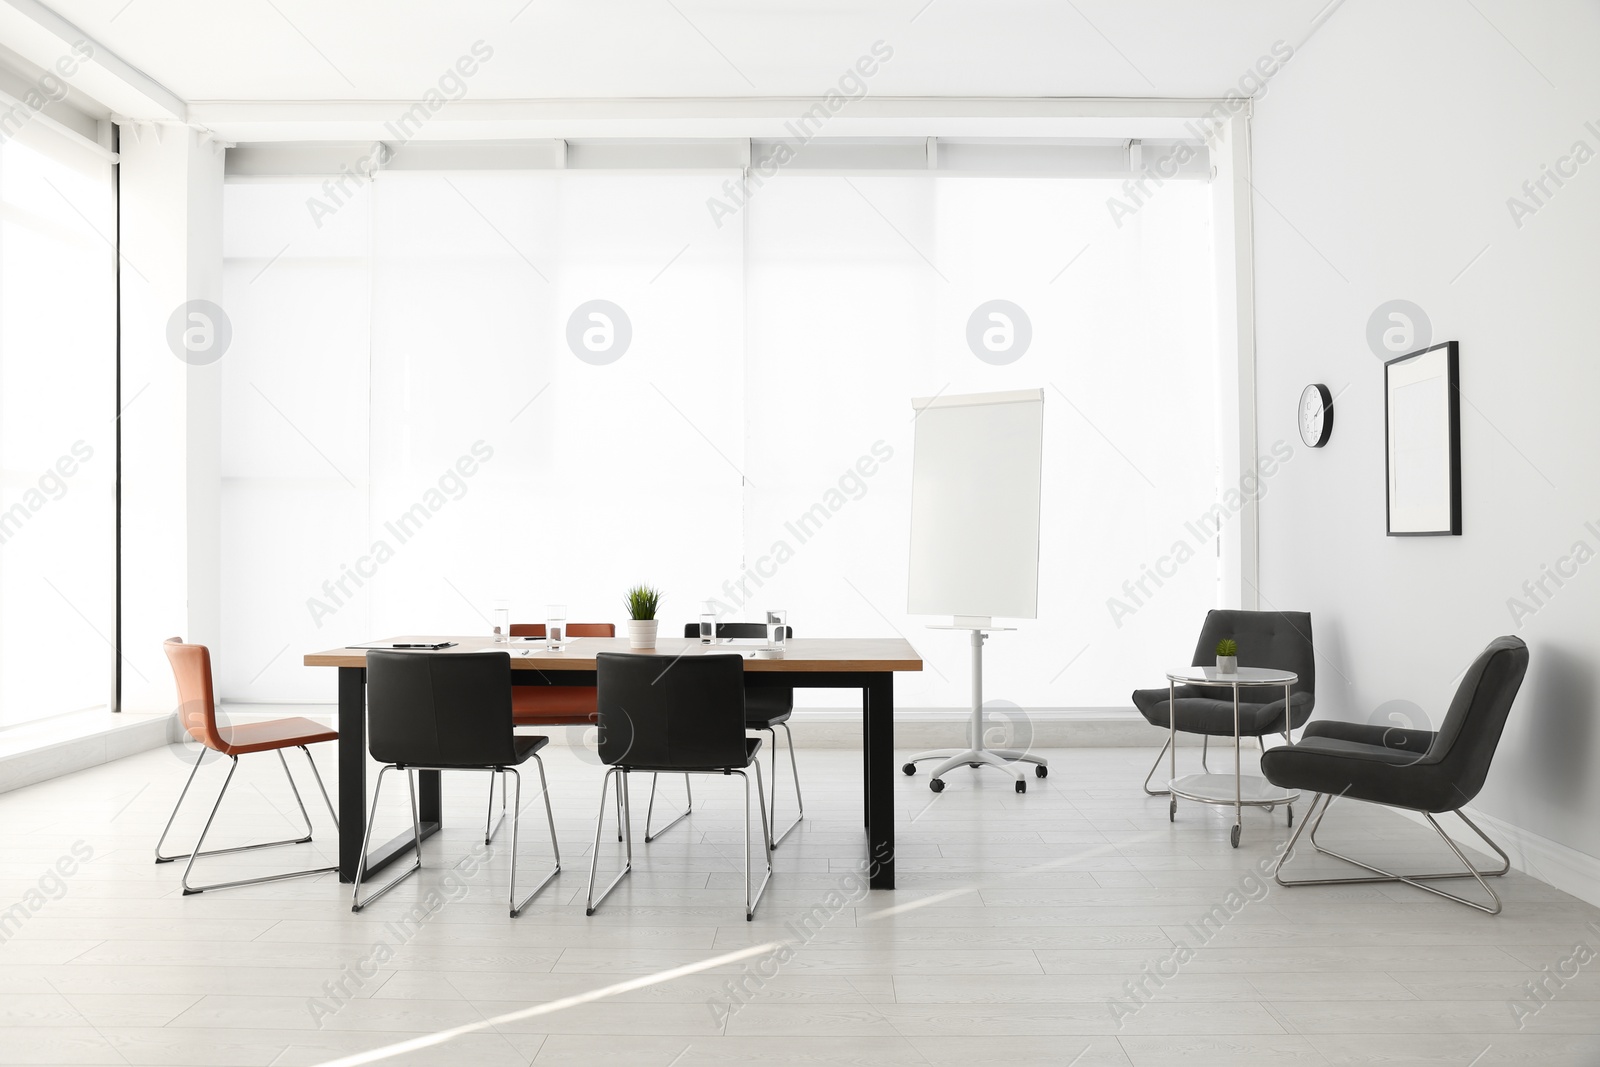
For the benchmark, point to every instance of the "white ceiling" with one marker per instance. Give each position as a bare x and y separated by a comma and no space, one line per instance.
372,50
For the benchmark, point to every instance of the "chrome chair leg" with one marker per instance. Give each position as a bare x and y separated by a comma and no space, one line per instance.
1205,750
594,857
516,811
356,903
1313,821
751,899
176,807
651,807
794,774
1155,767
201,850
324,789
162,858
490,824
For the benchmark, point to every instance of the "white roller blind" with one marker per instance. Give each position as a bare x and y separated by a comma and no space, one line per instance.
752,444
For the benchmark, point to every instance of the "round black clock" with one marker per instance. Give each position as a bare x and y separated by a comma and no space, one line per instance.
1316,415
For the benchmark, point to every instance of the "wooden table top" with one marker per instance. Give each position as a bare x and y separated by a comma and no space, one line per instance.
846,654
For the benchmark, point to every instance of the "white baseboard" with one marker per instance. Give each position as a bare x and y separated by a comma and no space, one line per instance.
50,748
1561,866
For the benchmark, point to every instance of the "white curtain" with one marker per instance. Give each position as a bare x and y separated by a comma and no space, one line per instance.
449,343
57,408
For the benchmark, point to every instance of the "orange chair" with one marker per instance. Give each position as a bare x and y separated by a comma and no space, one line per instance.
191,668
556,705
547,705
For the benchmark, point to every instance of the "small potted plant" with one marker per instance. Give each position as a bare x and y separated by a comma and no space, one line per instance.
642,602
1227,656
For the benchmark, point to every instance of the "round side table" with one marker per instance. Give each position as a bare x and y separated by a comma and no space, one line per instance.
1240,790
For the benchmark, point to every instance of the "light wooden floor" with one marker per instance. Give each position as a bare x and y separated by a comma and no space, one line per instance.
1017,919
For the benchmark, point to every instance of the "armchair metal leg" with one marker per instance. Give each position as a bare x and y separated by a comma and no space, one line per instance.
200,849
651,807
1155,767
356,903
752,897
794,774
516,811
593,902
1313,820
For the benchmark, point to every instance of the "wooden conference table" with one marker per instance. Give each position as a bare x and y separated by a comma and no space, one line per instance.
867,664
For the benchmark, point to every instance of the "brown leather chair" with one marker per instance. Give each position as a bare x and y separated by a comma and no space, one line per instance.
556,705
547,705
191,669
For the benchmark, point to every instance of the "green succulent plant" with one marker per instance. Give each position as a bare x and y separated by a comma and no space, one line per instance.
1227,647
641,602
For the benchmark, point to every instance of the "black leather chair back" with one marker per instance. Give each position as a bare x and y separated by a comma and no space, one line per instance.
743,630
1466,741
1280,640
440,710
660,713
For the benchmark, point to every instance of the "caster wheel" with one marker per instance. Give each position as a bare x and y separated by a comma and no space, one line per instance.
1290,810
1233,836
1041,771
1022,787
974,766
1172,811
937,785
909,769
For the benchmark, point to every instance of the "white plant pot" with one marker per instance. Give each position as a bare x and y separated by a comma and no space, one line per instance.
642,633
1227,664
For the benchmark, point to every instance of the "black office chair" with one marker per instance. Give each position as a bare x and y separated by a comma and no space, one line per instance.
764,709
674,716
1280,640
1425,771
450,712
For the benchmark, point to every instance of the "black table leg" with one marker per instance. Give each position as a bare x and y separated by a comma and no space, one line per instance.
352,768
430,809
879,743
353,785
866,758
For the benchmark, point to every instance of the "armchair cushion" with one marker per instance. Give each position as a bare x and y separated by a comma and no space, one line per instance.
1361,771
1199,713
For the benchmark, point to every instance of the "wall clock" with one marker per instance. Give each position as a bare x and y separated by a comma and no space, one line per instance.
1316,415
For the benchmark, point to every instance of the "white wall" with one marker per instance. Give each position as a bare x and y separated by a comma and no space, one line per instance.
1384,156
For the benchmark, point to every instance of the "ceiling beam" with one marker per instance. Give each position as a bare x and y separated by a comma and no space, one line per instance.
871,116
42,36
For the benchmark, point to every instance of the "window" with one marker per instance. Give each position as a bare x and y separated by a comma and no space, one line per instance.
57,427
542,386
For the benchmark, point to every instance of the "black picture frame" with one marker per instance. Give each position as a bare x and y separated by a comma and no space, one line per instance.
1440,362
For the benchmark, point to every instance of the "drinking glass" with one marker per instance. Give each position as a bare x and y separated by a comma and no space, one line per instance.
708,626
777,629
555,627
502,622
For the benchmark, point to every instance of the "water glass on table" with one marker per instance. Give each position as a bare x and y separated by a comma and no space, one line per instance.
777,629
555,627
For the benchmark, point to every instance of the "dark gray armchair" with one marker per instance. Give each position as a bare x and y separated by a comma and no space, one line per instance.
1425,771
1280,640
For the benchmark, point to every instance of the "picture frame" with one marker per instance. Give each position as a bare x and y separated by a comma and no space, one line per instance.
1422,442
